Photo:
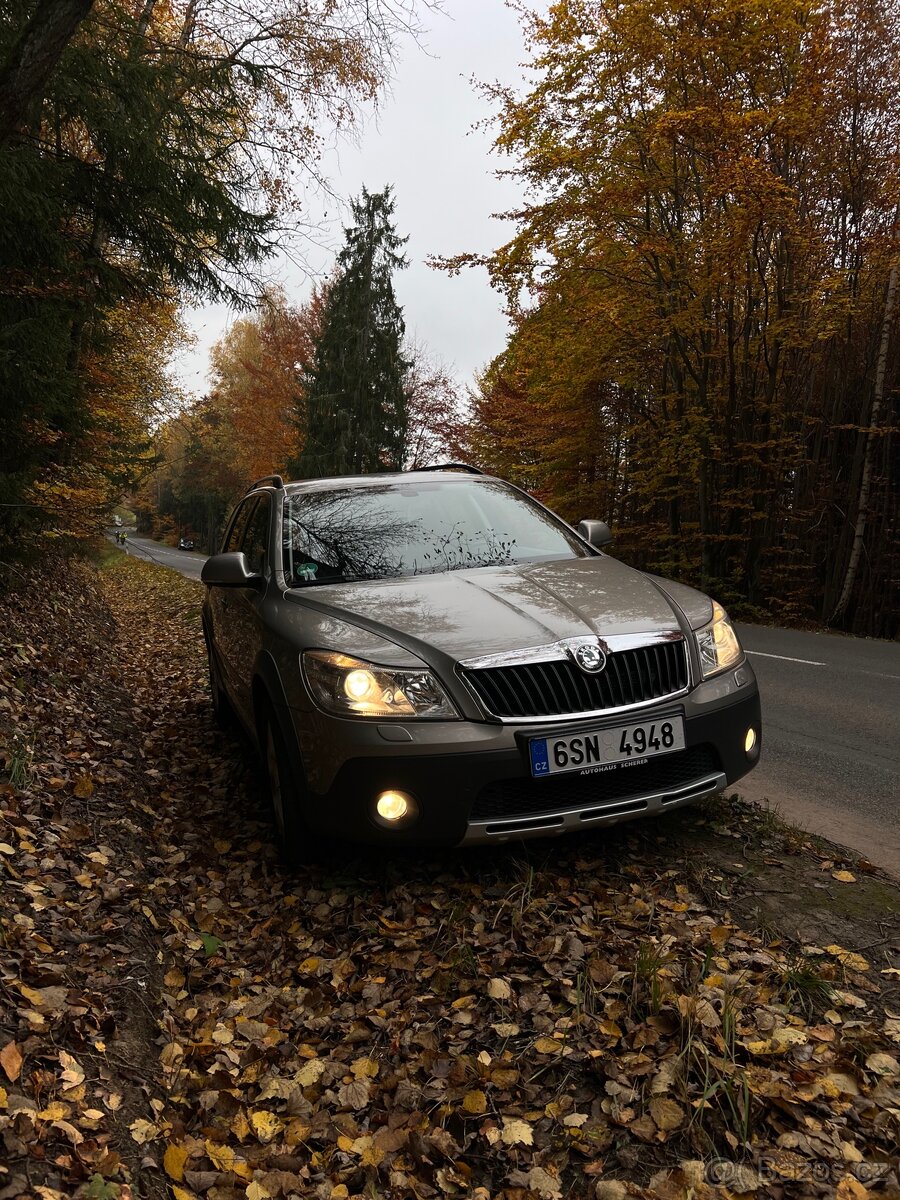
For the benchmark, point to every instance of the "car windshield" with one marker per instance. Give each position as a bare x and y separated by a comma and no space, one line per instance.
416,528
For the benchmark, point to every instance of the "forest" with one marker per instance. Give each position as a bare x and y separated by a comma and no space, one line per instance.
701,285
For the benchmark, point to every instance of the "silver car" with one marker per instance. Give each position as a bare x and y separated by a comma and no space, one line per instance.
434,657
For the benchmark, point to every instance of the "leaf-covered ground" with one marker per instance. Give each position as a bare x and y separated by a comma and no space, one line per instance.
623,1014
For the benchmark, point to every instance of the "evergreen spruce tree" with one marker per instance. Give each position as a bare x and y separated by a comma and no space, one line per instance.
354,409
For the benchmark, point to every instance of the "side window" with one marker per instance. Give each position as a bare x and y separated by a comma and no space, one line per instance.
256,539
238,526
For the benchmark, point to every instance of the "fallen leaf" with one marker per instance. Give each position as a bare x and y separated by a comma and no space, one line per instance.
11,1061
265,1125
499,989
173,1161
883,1064
516,1132
666,1114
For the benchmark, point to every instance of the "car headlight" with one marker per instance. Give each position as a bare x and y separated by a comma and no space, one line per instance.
718,644
352,688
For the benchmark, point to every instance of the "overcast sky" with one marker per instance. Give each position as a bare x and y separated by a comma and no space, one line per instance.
443,172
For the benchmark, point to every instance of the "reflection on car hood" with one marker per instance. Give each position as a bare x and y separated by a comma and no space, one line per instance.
465,614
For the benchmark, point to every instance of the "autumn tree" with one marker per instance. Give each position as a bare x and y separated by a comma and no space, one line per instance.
704,258
151,146
354,410
242,428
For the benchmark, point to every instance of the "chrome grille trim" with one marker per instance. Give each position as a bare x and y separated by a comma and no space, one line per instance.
553,651
541,683
548,824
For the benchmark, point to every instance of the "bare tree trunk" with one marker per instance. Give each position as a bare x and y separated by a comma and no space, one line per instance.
33,57
865,486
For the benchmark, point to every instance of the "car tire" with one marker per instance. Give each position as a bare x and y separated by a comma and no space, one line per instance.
223,713
286,788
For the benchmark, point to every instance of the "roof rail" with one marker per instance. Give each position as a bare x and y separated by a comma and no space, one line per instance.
267,480
452,466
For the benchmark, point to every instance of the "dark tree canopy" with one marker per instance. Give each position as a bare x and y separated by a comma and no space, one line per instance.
354,411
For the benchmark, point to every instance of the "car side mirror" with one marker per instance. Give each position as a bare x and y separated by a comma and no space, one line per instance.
597,533
229,570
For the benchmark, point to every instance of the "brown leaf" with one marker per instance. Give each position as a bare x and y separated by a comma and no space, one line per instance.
84,787
11,1061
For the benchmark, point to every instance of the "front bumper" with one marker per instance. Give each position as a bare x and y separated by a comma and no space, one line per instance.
479,789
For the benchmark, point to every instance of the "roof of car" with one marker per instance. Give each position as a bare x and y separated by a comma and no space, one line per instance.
452,471
363,480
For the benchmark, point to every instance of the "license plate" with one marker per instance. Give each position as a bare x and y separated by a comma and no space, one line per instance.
597,750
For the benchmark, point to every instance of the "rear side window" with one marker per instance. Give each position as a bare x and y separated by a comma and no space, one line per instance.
238,526
256,538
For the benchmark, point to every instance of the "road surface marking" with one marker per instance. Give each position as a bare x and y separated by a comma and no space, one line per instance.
785,658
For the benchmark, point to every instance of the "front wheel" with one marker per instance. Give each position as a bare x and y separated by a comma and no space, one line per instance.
287,792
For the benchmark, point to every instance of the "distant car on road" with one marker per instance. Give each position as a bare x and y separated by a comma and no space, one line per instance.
435,657
185,543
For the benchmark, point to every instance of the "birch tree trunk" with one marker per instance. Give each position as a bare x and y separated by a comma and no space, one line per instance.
865,487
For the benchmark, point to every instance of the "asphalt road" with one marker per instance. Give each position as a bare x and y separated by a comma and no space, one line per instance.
831,727
831,736
186,561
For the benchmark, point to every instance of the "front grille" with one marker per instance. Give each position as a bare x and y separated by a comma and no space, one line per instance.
525,797
546,689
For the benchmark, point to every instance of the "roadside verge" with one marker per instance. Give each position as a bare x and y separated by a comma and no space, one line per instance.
702,1005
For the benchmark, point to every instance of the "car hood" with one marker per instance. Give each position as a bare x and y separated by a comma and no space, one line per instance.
470,613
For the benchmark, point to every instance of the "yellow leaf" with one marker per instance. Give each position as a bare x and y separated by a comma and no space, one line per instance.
308,966
372,1156
843,876
54,1112
220,1156
182,1193
256,1191
546,1045
310,1072
499,989
463,1002
6,848
475,1102
364,1068
265,1124
345,1143
173,1160
850,1188
848,958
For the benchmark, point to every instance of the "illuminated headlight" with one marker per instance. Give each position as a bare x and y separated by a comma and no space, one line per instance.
352,688
718,644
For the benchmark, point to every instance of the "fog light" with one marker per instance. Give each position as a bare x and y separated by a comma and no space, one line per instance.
749,740
393,806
